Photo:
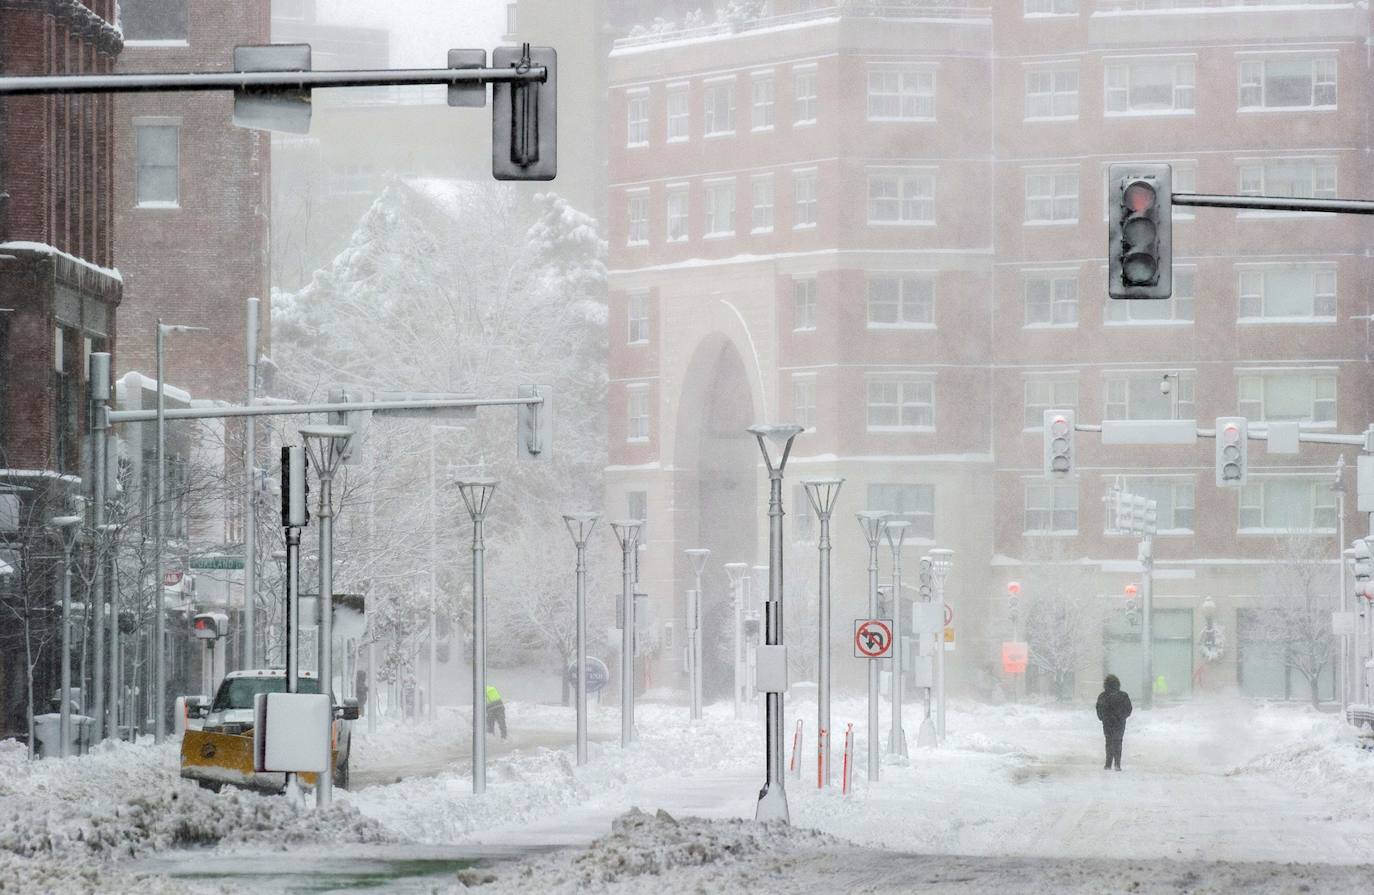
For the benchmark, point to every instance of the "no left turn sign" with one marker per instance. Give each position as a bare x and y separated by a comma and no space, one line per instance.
873,638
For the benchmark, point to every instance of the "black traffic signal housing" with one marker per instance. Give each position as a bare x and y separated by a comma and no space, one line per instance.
1140,231
524,117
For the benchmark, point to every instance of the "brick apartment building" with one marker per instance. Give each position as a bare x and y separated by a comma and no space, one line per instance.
886,221
60,295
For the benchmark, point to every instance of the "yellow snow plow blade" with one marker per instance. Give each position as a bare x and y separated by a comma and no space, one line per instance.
219,758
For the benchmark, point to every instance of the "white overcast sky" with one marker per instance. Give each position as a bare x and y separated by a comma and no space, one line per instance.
423,31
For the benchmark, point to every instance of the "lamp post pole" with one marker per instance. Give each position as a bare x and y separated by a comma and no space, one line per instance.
822,494
477,494
772,803
698,555
895,532
109,533
66,527
873,522
250,496
736,571
100,396
1338,486
941,562
326,445
627,533
580,526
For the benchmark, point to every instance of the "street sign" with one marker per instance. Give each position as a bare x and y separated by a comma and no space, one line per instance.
597,674
170,577
1015,655
873,638
949,618
949,640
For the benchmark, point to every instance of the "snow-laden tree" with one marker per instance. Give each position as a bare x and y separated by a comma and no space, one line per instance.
1298,592
455,287
1063,621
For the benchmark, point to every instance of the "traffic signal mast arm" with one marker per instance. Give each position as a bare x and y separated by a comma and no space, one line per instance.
1275,203
1365,441
234,410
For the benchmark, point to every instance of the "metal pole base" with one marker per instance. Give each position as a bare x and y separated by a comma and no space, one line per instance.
772,804
925,737
896,746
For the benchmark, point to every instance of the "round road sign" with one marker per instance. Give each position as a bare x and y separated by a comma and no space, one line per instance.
873,638
949,615
597,674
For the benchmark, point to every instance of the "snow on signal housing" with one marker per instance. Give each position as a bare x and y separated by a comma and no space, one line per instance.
1140,231
1232,451
1059,446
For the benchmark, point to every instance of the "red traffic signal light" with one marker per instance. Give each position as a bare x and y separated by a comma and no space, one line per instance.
1231,451
1013,588
1140,236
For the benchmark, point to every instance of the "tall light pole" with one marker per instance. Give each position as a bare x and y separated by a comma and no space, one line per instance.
67,528
822,493
941,562
250,495
477,494
698,556
109,533
433,570
326,445
159,511
736,571
1338,487
873,523
627,533
580,526
100,397
772,803
895,531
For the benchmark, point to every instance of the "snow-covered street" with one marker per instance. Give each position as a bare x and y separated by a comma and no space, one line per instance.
1018,797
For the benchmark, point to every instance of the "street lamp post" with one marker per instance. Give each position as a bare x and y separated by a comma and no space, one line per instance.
100,397
822,493
67,528
736,571
477,494
326,445
1338,487
873,523
698,556
159,701
895,531
109,533
772,803
580,526
250,495
941,562
627,533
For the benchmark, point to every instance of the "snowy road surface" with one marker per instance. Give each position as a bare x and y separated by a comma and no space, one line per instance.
1017,799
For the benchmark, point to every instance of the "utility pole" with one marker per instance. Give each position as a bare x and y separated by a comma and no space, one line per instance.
873,522
250,496
100,398
823,493
627,533
580,526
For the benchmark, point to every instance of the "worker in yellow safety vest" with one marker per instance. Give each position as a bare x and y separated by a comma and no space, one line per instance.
496,711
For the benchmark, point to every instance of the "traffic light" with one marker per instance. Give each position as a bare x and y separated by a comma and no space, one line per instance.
524,117
1140,234
1014,601
295,487
1363,561
1231,451
1059,443
1146,515
1131,591
927,582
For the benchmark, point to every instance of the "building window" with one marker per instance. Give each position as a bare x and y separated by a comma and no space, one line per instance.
162,20
1304,178
1048,393
720,207
1051,197
895,95
1305,397
720,109
804,304
1052,299
637,119
637,507
1287,505
637,413
1136,396
901,198
804,198
679,115
1051,507
512,11
804,400
637,214
637,318
1051,7
1287,292
1288,83
804,91
900,403
897,301
1051,92
678,206
761,114
910,502
158,148
1140,87
761,192
1173,497
1179,309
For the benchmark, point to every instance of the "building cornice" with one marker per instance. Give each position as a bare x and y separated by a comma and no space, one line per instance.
78,17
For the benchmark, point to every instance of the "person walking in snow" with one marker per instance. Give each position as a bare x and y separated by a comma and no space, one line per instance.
1113,708
496,711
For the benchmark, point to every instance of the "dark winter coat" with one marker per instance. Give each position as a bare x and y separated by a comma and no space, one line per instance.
1113,705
